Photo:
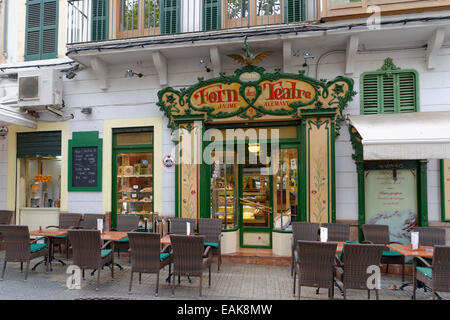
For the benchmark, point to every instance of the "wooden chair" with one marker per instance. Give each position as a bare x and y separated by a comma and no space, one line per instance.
66,221
379,234
190,258
307,231
146,256
314,262
436,275
19,248
212,230
89,253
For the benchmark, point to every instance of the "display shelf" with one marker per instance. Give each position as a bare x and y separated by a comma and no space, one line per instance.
135,176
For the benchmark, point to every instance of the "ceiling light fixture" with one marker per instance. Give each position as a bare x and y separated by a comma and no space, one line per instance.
204,64
71,73
307,56
131,74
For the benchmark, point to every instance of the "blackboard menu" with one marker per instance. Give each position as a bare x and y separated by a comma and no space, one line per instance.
84,166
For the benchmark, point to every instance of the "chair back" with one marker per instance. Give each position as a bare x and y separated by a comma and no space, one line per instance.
376,233
90,220
431,236
307,231
187,254
441,268
357,258
337,231
17,242
5,216
69,220
178,225
316,263
210,228
127,222
145,251
86,245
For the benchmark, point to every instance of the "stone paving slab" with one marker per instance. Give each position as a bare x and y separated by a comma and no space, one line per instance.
233,282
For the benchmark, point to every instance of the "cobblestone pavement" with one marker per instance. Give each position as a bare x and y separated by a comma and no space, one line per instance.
234,281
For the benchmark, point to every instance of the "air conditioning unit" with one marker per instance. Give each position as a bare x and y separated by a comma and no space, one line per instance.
39,89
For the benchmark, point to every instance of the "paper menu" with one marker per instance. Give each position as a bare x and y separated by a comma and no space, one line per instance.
323,234
188,228
100,224
414,240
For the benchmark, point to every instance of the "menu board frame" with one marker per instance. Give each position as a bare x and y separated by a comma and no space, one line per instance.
445,190
85,139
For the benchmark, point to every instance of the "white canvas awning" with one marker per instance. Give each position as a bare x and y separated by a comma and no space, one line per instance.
403,136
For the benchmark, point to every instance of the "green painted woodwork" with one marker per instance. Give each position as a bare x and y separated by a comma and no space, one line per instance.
444,184
389,90
212,14
100,20
38,144
422,190
86,139
41,32
170,16
294,11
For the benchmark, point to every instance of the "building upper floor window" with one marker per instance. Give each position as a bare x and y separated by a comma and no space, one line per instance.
389,90
41,30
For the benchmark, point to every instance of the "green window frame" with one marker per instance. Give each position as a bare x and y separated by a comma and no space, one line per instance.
170,16
390,91
294,11
99,20
212,15
41,34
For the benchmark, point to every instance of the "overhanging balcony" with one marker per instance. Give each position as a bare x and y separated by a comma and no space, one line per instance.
101,20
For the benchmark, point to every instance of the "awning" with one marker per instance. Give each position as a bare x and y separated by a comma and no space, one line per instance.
413,136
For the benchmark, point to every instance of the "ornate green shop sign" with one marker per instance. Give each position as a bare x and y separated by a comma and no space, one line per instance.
251,94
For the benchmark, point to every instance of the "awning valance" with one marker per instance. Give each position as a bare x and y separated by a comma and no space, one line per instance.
417,135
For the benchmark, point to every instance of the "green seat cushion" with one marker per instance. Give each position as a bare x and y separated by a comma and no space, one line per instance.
37,246
212,244
391,254
62,236
426,271
105,252
341,255
163,256
123,240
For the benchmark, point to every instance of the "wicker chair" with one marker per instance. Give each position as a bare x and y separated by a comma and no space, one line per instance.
431,236
314,262
352,271
19,249
212,230
337,231
307,231
146,256
178,225
190,258
125,223
66,221
89,253
5,216
89,221
437,275
379,234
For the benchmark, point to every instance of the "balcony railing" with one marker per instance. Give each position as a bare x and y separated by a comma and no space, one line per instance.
98,20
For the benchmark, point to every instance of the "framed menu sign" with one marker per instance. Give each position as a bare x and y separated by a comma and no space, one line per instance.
85,162
445,189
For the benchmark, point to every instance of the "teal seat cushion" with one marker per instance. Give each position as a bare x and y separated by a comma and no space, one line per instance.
341,255
37,246
163,256
211,244
123,240
105,252
61,237
426,271
391,254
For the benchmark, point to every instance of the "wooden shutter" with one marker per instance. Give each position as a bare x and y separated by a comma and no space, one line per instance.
39,144
388,94
294,10
99,20
41,30
170,16
407,94
370,94
211,15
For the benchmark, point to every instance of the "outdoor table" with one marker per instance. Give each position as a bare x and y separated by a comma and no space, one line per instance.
407,251
113,236
51,234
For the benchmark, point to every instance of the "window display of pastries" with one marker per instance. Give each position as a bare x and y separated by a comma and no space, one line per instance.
148,189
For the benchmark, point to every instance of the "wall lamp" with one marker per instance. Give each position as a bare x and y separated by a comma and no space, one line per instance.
307,56
71,73
204,64
131,74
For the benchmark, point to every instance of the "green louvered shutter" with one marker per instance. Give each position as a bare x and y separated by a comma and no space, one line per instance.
170,16
407,97
294,10
41,30
370,96
211,15
39,144
99,20
388,94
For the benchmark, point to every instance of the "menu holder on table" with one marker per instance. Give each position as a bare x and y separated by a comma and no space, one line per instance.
100,225
414,240
323,234
188,228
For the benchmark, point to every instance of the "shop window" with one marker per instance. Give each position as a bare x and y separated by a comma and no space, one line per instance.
389,90
41,30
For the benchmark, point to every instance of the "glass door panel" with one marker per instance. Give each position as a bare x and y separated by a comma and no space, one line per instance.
255,197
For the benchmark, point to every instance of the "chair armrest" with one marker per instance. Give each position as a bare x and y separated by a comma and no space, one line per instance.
167,248
207,252
338,261
52,227
40,238
367,241
425,262
394,242
107,243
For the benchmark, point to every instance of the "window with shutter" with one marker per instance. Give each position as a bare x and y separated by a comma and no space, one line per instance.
294,10
170,16
41,30
389,90
211,15
99,20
